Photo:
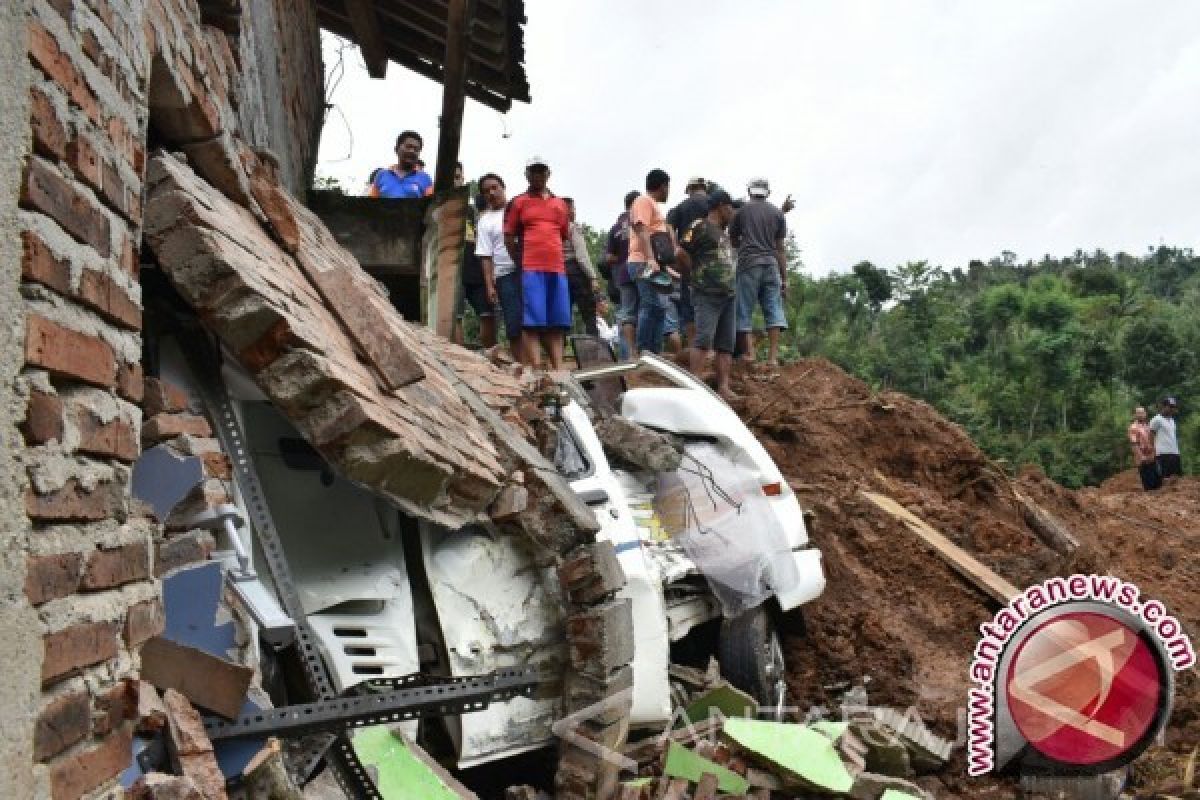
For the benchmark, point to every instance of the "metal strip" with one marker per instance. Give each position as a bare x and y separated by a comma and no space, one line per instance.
381,708
348,770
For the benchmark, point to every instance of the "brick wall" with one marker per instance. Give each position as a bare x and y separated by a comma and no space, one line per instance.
103,73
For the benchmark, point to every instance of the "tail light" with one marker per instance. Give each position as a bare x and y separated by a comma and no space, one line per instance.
772,489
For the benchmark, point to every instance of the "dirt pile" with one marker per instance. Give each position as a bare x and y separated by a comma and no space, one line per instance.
894,614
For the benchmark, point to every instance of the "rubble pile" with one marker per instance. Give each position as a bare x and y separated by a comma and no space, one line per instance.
895,617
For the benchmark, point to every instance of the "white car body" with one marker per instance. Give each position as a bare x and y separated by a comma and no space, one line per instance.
493,604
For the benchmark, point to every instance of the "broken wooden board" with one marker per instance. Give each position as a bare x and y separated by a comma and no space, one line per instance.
802,757
209,682
960,560
402,769
683,763
1049,528
724,699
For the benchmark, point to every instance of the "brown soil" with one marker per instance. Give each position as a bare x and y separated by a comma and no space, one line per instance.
895,614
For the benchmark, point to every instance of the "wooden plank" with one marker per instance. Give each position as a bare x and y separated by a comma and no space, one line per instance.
365,25
454,82
960,560
1049,528
209,682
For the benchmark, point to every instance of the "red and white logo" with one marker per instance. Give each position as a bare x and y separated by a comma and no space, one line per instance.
1084,688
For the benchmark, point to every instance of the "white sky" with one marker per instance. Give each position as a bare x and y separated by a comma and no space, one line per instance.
905,129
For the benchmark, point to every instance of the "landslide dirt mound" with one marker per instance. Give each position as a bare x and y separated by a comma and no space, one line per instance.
894,613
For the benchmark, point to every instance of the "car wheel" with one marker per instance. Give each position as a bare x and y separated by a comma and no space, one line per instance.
750,652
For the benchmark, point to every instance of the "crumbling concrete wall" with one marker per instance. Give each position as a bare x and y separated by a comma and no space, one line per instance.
82,85
21,655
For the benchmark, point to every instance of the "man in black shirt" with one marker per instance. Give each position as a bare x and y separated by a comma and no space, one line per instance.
680,218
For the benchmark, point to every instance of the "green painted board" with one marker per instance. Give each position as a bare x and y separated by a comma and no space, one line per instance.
729,701
683,763
798,754
637,783
892,794
829,729
400,773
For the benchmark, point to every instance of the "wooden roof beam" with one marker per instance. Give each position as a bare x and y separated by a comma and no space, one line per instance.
365,25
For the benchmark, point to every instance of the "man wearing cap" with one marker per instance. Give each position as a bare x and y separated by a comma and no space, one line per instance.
706,255
1141,440
1166,441
646,218
680,218
535,226
758,233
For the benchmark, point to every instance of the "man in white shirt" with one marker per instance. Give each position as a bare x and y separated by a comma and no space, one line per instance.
1166,441
501,279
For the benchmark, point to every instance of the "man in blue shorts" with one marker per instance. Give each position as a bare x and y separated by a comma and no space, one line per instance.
535,226
758,233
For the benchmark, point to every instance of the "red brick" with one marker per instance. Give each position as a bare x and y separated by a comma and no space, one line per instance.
62,722
50,577
129,256
116,566
78,646
164,396
40,264
85,161
49,133
72,503
47,56
181,550
46,190
118,195
102,293
114,707
95,52
43,418
129,381
143,621
168,426
115,438
217,465
69,353
78,775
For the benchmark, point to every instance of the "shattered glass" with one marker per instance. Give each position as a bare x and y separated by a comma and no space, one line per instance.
714,507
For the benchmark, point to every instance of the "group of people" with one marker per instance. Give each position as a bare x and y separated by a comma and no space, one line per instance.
1155,444
694,273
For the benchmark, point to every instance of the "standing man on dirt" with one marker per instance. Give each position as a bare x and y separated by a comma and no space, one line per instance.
707,258
680,218
535,225
646,221
758,233
1141,440
616,255
1166,439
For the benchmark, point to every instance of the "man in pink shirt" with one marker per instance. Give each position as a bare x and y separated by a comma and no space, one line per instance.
1141,440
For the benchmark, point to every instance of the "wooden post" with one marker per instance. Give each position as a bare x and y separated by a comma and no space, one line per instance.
454,84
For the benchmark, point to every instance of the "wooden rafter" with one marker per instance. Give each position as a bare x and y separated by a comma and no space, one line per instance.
365,25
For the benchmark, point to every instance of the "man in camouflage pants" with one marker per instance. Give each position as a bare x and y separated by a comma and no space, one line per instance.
707,254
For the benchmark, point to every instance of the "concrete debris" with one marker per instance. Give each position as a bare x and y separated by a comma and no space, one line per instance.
630,443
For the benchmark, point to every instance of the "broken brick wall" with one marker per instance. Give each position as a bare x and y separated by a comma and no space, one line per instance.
92,84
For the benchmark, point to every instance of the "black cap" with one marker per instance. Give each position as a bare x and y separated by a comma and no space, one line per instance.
719,198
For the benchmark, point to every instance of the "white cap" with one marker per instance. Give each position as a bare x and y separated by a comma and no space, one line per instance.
758,187
696,180
537,161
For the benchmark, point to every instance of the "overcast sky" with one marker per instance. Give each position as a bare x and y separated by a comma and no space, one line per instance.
905,129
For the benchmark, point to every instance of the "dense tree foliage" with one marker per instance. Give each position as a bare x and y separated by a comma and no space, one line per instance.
1041,362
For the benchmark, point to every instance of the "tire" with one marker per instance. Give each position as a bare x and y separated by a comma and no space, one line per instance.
750,652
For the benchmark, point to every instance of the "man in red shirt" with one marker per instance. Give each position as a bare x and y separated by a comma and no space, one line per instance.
535,226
